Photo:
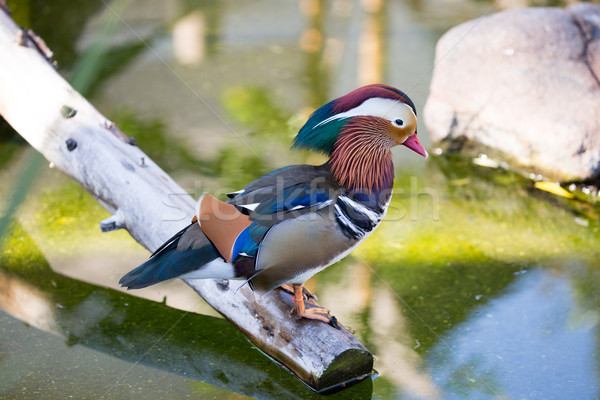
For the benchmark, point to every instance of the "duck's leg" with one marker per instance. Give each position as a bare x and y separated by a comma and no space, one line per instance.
318,313
308,295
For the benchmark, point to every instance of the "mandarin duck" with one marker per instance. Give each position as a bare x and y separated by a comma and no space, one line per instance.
295,221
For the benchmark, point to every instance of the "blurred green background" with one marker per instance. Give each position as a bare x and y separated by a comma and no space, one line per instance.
477,285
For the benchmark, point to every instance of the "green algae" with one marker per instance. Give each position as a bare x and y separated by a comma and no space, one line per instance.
143,332
255,109
468,241
456,237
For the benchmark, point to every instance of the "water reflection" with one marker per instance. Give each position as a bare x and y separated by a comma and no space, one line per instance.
535,341
140,332
538,337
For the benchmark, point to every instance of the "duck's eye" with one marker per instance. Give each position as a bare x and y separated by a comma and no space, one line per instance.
399,122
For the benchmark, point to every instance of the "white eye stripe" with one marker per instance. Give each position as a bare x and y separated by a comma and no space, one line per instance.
375,107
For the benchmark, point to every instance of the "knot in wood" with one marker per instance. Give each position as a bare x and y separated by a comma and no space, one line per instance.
71,144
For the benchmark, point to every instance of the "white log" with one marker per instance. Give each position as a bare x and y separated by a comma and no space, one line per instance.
77,139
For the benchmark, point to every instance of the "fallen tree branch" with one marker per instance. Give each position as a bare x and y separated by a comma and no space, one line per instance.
81,142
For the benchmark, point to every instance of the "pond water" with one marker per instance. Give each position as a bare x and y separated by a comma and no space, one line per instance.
477,285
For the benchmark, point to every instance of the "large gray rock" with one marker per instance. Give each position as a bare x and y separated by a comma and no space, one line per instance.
525,82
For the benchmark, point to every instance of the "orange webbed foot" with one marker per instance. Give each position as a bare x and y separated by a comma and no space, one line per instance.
318,313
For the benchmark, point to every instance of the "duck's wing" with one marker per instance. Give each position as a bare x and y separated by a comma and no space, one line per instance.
293,225
187,251
224,242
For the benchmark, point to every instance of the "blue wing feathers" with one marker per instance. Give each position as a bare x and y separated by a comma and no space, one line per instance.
245,243
168,265
292,198
172,241
169,262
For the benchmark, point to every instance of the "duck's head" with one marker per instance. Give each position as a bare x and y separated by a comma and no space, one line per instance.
384,114
358,130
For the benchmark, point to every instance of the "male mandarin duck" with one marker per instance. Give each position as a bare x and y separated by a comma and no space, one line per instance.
295,221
